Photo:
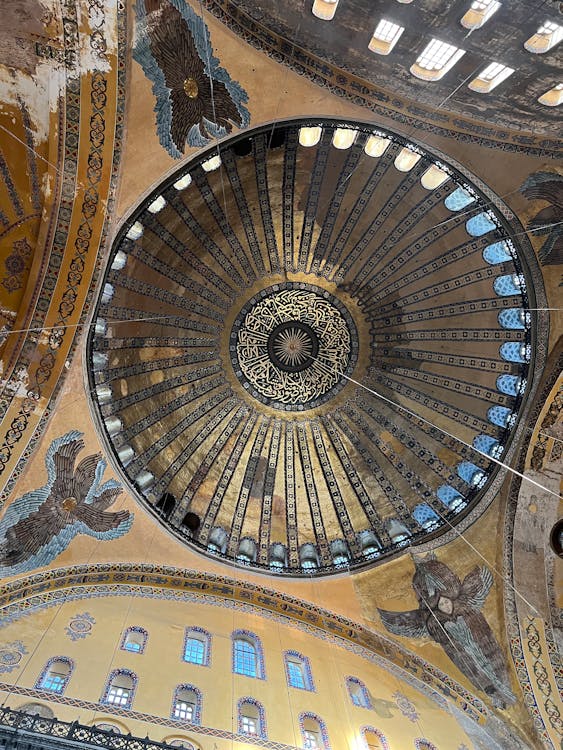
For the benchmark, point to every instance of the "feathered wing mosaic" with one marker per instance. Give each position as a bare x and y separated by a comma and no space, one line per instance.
196,99
40,525
449,613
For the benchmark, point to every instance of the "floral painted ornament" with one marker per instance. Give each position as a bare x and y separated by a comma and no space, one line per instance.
40,525
196,99
11,655
80,626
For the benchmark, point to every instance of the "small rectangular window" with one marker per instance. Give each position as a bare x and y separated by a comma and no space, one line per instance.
435,60
547,36
490,77
194,651
54,682
385,37
479,13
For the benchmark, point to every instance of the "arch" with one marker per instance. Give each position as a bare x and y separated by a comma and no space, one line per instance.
422,744
487,444
369,543
186,704
308,556
298,671
134,639
37,709
181,742
217,540
197,646
55,674
107,726
479,225
513,319
251,717
514,351
120,688
509,285
313,732
499,415
278,556
339,552
358,692
511,385
498,252
471,473
373,738
246,553
425,516
460,198
248,657
450,497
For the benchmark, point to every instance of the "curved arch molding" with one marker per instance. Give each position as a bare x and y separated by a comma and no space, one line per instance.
48,588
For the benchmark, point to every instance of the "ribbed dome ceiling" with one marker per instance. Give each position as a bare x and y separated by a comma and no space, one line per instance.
250,295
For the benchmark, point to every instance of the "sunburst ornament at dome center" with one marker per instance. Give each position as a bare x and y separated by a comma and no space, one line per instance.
292,345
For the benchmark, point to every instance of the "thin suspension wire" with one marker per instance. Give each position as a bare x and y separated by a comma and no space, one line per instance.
413,414
443,517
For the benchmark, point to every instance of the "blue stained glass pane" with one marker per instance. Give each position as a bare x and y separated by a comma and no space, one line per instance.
486,444
295,674
509,384
479,225
470,473
498,252
450,497
194,651
499,415
425,516
513,351
506,286
512,319
245,658
458,199
54,682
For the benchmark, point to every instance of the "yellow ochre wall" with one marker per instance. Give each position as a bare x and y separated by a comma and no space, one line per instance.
160,668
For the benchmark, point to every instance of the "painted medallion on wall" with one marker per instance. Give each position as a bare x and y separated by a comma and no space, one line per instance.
449,613
196,99
40,525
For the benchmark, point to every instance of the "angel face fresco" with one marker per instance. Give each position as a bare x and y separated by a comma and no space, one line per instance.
41,524
449,613
196,99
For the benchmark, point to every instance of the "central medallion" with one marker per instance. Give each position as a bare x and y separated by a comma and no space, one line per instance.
292,346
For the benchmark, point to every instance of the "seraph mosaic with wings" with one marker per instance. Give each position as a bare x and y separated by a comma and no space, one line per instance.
196,99
449,613
40,525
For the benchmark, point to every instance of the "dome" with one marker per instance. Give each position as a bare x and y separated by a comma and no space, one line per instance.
283,342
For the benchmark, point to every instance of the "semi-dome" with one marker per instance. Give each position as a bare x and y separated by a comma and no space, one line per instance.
311,346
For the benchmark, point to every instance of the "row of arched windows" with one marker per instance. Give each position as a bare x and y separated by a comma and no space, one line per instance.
122,683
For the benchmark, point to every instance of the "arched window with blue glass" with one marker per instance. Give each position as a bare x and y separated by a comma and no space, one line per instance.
298,671
426,517
197,646
515,351
479,225
513,319
471,473
451,498
248,658
459,199
511,385
509,285
487,444
358,692
499,415
497,252
134,639
55,675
